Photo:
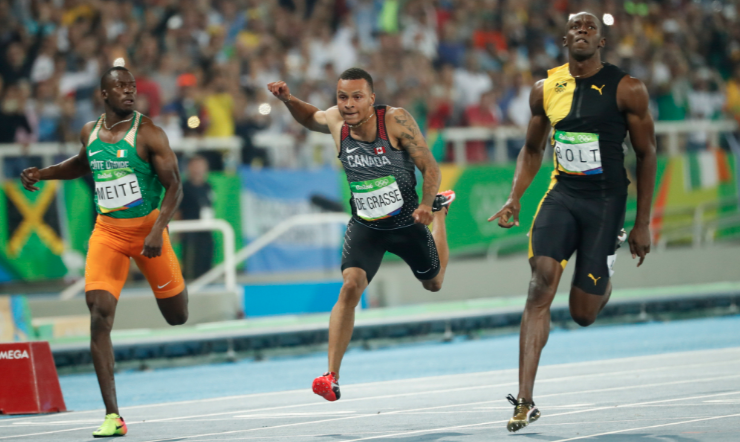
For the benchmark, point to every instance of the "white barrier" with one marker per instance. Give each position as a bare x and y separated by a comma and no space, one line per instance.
255,246
282,148
188,146
200,225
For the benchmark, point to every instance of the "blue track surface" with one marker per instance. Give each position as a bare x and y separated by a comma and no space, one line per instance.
405,361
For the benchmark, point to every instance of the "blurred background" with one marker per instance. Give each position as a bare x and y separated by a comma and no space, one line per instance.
463,68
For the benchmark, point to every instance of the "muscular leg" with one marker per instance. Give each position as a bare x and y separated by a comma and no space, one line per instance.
439,233
584,307
342,320
102,306
535,327
175,309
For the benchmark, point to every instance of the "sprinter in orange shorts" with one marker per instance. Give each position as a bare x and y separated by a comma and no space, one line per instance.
132,164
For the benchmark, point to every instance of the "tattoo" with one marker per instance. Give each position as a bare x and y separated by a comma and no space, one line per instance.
413,142
408,139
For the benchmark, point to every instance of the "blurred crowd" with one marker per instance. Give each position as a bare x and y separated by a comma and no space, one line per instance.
449,62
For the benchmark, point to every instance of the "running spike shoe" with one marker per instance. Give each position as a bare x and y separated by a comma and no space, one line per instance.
442,200
327,386
113,426
524,414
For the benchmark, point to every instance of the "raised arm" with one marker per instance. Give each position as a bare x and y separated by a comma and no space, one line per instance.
403,129
68,169
529,160
164,163
632,98
308,115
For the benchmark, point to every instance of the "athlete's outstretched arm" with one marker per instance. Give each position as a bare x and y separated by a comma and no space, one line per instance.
68,169
164,163
632,98
402,127
308,115
530,158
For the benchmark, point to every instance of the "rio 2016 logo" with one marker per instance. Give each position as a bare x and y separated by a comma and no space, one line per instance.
381,183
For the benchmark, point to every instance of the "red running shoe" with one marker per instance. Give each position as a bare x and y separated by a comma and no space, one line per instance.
443,200
327,386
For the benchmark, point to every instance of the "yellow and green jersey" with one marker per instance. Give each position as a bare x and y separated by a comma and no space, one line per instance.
126,186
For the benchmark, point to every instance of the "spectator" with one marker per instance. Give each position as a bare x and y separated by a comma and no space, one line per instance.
188,106
485,114
197,203
219,105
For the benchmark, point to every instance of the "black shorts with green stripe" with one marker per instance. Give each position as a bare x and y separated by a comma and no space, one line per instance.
565,224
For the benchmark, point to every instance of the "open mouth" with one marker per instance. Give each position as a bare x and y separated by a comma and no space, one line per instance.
581,39
128,101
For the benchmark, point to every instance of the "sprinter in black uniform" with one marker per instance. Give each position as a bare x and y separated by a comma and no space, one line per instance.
380,147
590,105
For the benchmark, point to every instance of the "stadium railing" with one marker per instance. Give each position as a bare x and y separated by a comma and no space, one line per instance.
283,148
52,153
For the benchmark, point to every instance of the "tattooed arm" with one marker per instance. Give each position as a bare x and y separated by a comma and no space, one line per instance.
405,134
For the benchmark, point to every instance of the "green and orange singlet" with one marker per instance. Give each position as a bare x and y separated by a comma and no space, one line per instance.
126,186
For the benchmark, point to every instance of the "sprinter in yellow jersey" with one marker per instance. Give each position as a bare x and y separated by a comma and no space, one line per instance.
590,107
132,164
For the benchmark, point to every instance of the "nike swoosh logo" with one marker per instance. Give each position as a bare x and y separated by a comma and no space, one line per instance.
352,150
118,427
161,286
93,153
424,270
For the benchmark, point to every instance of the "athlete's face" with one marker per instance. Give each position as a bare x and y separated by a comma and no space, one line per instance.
120,92
355,100
583,38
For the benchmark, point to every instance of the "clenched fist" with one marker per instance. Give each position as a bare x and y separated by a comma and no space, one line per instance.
29,177
280,90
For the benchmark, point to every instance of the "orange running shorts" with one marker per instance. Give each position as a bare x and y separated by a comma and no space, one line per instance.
112,244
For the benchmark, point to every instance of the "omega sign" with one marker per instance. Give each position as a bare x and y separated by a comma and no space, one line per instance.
14,354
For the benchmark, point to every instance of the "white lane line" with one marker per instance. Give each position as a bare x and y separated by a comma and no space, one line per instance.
544,368
645,428
47,432
436,408
431,378
419,393
315,422
552,415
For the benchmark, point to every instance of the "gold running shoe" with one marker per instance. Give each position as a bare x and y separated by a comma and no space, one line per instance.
524,414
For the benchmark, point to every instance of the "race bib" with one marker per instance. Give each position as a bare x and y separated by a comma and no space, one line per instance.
117,189
578,153
377,199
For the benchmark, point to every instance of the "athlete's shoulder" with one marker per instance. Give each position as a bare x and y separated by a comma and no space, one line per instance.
149,133
632,95
87,130
560,70
333,115
147,126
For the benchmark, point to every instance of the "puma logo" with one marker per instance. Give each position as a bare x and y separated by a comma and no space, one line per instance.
593,86
596,280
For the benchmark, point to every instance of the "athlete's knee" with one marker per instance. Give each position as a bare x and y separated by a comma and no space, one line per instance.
351,291
177,318
102,306
432,285
583,319
542,288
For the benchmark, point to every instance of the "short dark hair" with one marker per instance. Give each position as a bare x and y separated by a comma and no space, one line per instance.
358,74
108,74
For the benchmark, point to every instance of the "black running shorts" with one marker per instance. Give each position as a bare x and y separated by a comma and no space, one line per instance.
565,224
364,247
